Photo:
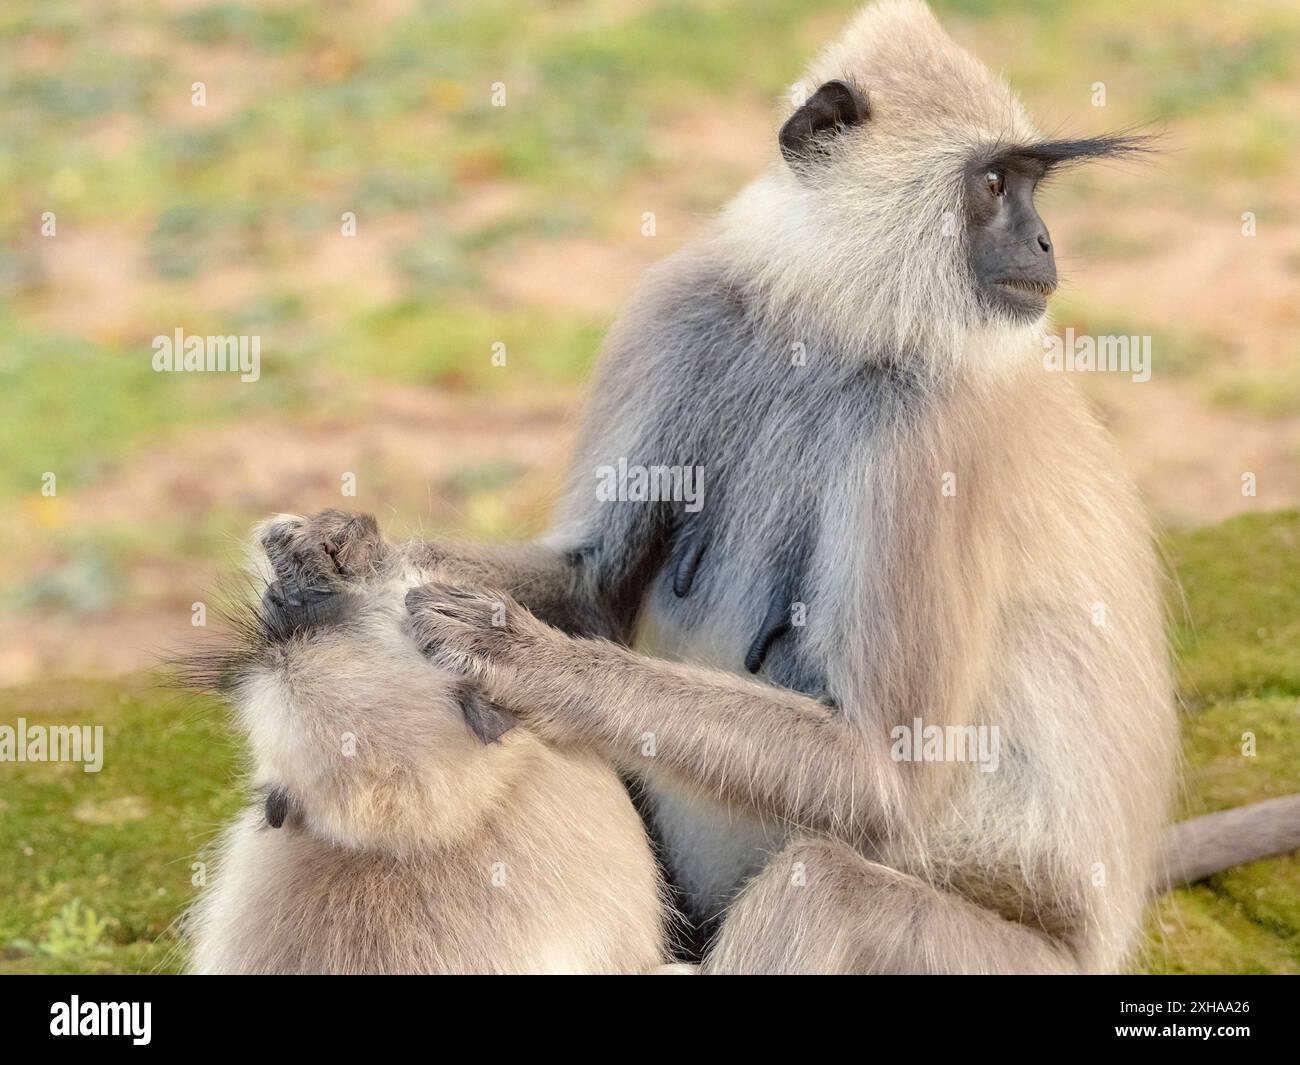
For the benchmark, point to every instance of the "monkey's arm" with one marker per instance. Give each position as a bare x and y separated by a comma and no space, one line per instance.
780,752
551,582
589,590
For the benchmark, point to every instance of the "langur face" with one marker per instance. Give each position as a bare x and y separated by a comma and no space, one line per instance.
1010,248
1007,251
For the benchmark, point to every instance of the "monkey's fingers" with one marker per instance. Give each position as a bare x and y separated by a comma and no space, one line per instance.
277,541
351,541
468,632
324,549
458,605
438,627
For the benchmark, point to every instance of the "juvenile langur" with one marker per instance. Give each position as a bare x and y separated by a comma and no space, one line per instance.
408,826
909,528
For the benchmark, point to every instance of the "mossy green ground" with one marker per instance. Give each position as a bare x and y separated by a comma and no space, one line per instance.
98,867
1237,637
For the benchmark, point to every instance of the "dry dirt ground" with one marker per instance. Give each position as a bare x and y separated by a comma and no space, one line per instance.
413,449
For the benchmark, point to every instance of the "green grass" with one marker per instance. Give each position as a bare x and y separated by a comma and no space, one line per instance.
1246,920
1238,635
1237,640
98,867
74,405
1175,353
453,346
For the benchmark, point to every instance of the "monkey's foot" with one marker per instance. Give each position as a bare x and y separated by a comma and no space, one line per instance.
315,560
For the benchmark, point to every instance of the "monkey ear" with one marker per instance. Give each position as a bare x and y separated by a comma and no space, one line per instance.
488,721
836,105
278,805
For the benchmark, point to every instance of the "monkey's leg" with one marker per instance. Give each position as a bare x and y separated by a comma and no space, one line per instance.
819,907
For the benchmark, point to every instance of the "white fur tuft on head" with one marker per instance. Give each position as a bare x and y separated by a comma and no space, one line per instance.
864,248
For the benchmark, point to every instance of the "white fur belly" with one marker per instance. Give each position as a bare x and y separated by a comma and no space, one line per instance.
711,848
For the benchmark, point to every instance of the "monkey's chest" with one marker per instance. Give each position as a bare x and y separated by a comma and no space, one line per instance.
761,563
751,583
761,574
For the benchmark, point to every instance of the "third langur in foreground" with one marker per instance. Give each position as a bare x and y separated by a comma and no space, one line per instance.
907,529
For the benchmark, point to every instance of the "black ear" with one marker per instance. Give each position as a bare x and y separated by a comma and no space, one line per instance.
836,105
488,721
277,807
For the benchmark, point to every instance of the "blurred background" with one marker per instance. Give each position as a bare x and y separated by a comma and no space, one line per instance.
336,179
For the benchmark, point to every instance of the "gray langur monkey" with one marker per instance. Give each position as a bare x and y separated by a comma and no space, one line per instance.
407,826
908,528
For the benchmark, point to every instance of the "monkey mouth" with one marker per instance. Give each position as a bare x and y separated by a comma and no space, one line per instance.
1042,289
1021,299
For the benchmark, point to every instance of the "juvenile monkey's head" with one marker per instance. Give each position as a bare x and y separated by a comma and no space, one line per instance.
899,216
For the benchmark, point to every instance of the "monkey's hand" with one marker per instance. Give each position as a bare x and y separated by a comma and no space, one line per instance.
324,549
477,632
332,548
505,651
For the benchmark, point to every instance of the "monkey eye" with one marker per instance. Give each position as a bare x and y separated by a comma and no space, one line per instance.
996,182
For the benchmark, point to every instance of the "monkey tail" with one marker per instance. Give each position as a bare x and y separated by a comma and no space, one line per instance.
1207,845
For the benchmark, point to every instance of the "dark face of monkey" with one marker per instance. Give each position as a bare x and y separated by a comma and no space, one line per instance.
839,147
1010,249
